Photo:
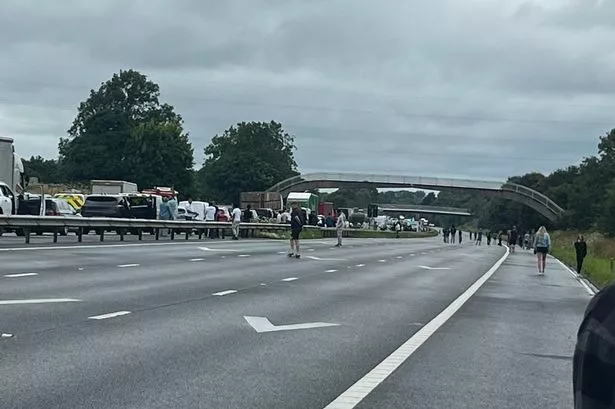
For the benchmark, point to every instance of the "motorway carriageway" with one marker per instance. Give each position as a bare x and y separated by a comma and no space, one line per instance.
221,324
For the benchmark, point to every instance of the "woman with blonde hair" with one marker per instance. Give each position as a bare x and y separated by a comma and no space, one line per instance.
542,245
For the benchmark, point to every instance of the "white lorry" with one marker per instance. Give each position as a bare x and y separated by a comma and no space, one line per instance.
11,177
112,187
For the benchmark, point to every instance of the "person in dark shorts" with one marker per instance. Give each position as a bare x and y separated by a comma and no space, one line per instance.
297,221
542,245
513,236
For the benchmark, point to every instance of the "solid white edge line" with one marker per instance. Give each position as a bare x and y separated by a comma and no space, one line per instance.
20,275
227,292
109,315
573,273
128,265
364,386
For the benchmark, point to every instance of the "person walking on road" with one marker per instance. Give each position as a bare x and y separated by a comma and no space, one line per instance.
542,245
296,224
593,364
453,234
479,238
580,247
489,238
339,226
460,236
513,237
235,221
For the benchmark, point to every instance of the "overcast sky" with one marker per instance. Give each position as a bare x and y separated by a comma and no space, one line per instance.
482,89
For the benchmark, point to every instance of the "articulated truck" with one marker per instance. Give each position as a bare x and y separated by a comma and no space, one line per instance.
11,177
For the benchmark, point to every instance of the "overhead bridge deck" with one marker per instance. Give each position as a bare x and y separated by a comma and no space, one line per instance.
417,209
510,191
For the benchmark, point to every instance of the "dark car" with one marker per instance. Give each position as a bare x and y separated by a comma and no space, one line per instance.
104,206
53,207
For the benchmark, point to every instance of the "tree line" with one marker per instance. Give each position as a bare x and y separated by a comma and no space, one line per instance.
122,131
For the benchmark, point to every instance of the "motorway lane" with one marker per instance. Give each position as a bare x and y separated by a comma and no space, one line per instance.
511,346
183,347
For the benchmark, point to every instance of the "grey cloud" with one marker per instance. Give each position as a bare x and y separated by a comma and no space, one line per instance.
444,88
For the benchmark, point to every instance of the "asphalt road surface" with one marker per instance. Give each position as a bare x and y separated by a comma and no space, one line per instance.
375,324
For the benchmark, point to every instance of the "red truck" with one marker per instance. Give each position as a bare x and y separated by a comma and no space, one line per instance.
326,208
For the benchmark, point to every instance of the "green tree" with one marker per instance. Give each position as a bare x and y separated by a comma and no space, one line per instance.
45,170
251,156
122,131
606,221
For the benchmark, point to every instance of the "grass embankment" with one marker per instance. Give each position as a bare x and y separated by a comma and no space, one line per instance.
364,234
598,265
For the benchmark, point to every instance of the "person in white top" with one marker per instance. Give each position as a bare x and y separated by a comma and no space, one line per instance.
210,216
189,210
236,219
339,226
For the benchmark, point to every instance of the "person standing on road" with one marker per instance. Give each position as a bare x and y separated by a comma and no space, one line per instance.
236,220
165,214
593,365
580,247
513,236
479,238
489,238
173,207
339,226
210,216
453,233
297,221
542,245
460,236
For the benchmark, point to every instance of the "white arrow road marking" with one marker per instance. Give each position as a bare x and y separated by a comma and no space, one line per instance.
110,315
227,292
128,265
208,249
262,324
325,259
38,301
290,279
20,275
434,268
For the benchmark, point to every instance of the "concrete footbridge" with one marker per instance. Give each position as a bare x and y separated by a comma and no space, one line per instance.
422,210
529,197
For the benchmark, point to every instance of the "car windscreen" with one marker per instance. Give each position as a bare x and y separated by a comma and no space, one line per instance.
102,201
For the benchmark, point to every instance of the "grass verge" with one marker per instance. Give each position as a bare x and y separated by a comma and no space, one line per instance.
598,266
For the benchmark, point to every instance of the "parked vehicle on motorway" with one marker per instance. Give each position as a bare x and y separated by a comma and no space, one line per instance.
105,206
31,206
7,200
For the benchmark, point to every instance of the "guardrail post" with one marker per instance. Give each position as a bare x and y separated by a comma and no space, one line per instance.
188,231
172,234
157,233
200,234
80,235
140,232
122,232
55,234
26,233
102,234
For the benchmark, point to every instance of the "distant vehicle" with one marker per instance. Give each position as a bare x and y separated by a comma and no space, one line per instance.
7,200
11,176
304,199
261,200
104,206
197,207
76,200
161,191
31,206
113,187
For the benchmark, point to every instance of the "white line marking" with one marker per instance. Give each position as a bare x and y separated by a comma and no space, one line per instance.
577,277
227,292
422,252
38,301
413,254
281,252
110,315
5,335
382,261
434,268
80,269
243,255
197,259
325,259
20,275
290,279
128,265
399,257
360,265
208,249
364,386
330,271
101,246
262,324
263,284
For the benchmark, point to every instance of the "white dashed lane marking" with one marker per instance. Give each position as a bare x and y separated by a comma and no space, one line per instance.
20,275
243,255
128,265
227,292
197,259
330,271
360,265
290,279
382,261
109,315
